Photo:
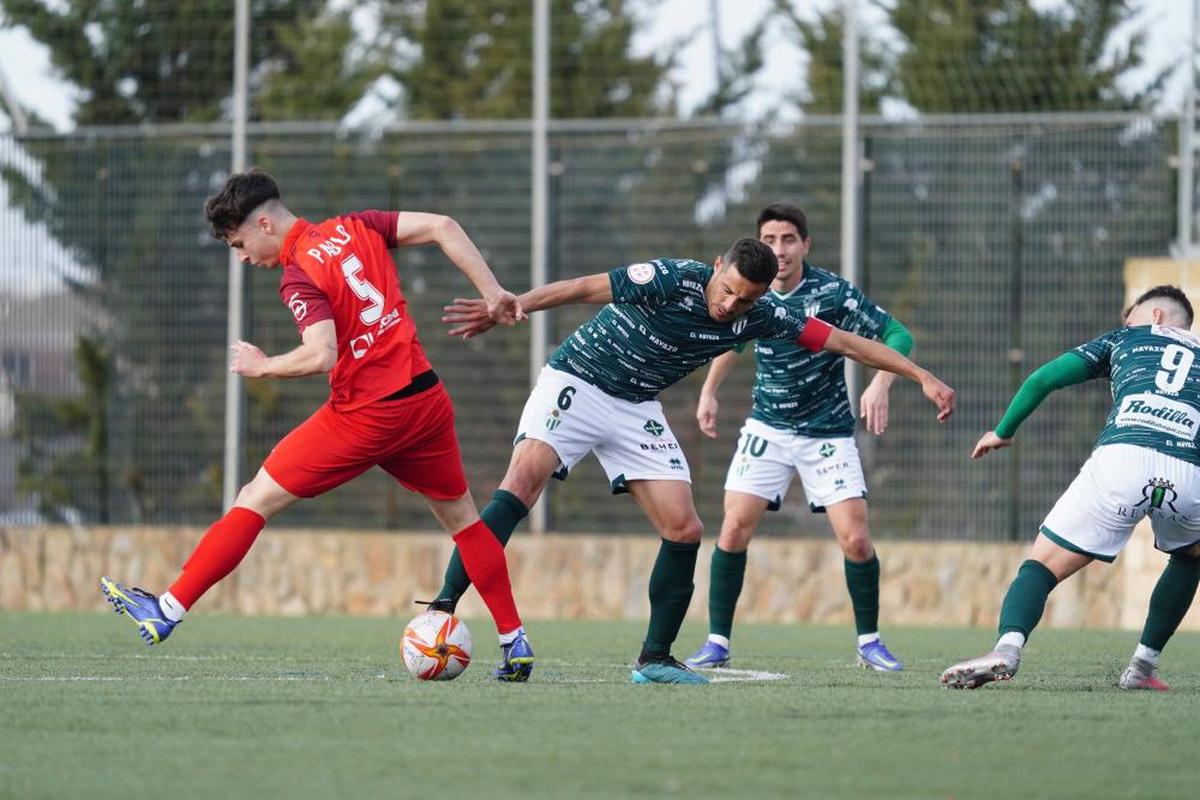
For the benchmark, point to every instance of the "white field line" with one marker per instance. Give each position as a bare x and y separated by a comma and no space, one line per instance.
158,656
727,675
717,676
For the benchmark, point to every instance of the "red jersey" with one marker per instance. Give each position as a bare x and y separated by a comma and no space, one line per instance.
340,269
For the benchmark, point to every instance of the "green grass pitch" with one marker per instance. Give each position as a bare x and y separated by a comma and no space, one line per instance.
296,708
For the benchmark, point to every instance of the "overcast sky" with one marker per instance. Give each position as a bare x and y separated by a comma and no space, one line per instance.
28,69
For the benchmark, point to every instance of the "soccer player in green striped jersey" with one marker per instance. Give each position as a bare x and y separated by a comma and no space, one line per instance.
801,423
660,321
1145,465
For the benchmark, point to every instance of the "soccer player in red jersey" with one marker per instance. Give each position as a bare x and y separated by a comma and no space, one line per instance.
386,405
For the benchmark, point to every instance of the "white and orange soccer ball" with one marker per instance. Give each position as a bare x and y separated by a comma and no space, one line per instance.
436,646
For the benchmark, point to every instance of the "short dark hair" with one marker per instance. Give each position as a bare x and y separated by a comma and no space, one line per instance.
1167,292
783,212
242,193
754,260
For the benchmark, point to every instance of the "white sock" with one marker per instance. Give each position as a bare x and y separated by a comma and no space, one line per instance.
865,639
1012,639
717,638
511,636
172,608
1147,655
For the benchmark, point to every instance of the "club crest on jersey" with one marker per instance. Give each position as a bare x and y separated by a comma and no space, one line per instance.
553,419
640,273
738,326
812,309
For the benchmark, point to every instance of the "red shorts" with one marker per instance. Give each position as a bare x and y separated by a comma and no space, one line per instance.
412,438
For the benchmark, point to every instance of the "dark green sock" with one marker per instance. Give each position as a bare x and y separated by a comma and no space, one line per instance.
726,574
1026,598
671,586
502,516
1171,600
862,579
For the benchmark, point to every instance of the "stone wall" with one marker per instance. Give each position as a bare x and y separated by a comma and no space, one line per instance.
297,572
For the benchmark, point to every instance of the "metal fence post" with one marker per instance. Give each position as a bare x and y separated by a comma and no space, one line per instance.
233,383
539,323
1016,351
850,169
1187,148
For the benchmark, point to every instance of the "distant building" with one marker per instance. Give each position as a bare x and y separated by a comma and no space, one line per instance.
37,356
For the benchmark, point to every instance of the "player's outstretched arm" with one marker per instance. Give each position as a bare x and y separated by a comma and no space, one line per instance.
316,354
416,228
1067,370
880,356
874,401
706,406
468,317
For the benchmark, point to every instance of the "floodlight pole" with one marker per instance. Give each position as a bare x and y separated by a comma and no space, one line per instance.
539,221
1188,246
715,30
233,332
850,168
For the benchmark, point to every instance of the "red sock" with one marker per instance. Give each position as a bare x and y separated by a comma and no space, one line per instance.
483,558
221,549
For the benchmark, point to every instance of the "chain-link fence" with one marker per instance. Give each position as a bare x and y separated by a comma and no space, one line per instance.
999,243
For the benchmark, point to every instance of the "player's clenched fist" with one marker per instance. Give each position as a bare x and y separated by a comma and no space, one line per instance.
247,360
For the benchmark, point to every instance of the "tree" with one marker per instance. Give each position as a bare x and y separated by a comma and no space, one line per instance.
137,63
67,480
1010,55
821,39
475,60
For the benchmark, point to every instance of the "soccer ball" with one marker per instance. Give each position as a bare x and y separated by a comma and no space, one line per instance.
436,646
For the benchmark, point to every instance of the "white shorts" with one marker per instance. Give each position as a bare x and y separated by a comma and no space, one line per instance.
1115,488
632,440
767,459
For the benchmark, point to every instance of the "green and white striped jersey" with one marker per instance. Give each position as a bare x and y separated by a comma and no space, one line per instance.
1155,380
657,330
803,392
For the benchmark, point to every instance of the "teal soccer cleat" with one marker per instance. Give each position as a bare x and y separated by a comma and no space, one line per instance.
141,607
874,655
518,661
665,670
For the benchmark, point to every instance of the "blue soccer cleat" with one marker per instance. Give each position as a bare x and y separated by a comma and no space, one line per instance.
518,661
710,656
141,607
874,655
666,670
